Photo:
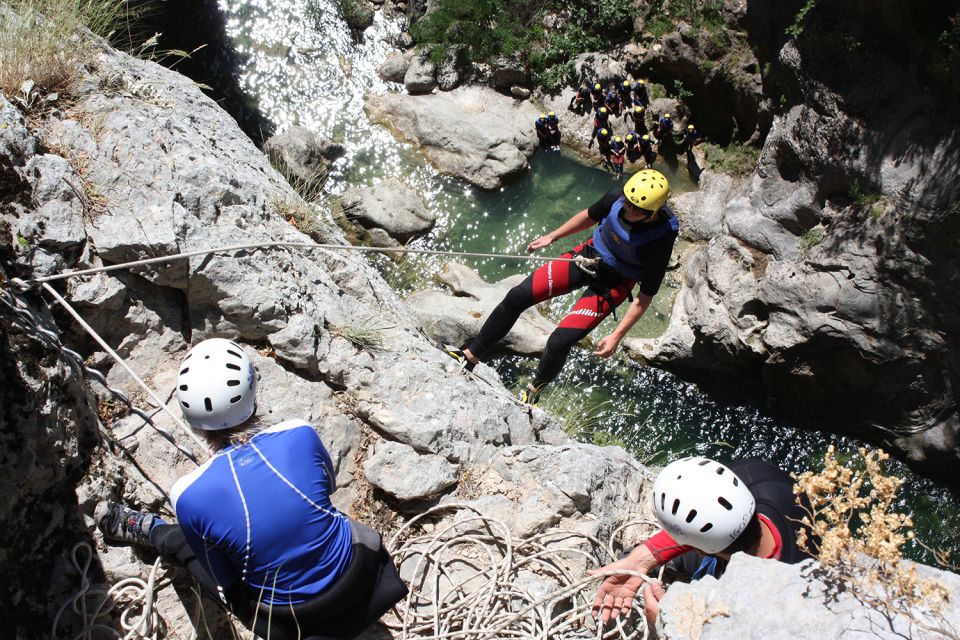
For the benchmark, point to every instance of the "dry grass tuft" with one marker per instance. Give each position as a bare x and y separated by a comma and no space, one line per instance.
857,536
44,44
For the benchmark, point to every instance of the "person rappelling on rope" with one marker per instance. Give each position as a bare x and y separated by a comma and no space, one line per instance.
632,244
256,527
708,512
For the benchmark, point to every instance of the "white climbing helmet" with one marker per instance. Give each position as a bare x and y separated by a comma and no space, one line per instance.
217,385
702,503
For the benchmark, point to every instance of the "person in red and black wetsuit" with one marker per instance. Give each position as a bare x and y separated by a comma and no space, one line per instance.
633,240
703,505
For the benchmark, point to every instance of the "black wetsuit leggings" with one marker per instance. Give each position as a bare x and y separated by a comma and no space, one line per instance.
604,293
368,588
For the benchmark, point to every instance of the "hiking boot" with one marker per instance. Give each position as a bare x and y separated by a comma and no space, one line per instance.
117,522
531,395
457,354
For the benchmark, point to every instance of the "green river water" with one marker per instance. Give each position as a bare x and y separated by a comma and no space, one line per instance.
303,67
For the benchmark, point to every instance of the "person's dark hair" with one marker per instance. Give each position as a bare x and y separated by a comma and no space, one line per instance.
236,436
749,538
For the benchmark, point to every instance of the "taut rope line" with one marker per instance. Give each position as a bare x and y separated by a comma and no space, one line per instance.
26,284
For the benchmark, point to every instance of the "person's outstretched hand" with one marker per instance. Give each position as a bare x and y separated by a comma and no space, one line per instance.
615,594
540,243
606,346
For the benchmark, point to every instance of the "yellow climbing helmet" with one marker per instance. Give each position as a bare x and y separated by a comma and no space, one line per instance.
597,86
647,189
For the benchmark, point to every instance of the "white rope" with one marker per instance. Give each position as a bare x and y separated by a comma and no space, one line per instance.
299,245
116,357
466,582
138,618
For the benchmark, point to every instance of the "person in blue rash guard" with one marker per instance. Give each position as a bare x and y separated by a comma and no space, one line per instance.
256,526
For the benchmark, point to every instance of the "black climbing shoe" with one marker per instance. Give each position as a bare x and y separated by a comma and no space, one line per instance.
531,395
457,354
117,522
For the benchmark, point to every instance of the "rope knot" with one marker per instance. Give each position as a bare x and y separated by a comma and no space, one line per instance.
586,264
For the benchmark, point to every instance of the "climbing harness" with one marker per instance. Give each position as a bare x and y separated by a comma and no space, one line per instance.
470,579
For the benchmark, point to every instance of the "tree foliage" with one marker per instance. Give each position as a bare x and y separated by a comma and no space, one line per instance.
543,35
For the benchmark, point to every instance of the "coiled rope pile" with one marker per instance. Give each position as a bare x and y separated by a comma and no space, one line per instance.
133,597
471,579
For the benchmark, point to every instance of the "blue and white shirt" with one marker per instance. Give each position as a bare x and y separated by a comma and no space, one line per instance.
261,513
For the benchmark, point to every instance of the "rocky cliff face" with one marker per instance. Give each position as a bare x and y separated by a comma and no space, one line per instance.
829,276
143,164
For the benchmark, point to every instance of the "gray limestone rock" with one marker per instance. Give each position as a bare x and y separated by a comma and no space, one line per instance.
520,92
390,205
301,156
506,73
421,74
394,68
17,144
455,319
399,470
54,233
471,132
452,70
807,606
296,342
599,67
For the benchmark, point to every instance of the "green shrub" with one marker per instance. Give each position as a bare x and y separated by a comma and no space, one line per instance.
800,20
735,160
810,239
489,29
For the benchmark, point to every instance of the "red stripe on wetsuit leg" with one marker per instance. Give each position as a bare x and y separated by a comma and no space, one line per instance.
553,278
592,307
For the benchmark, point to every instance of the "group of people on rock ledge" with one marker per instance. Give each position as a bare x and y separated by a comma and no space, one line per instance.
637,143
255,525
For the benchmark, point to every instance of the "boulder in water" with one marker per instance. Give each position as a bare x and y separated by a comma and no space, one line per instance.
471,132
390,205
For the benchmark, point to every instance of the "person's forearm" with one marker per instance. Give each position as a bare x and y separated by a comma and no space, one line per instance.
642,558
577,222
634,312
